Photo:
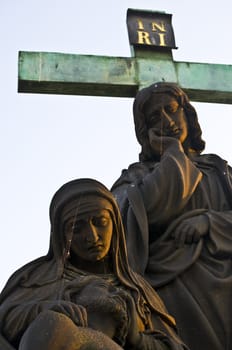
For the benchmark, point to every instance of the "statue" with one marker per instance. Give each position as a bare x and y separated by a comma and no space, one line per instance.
176,207
83,294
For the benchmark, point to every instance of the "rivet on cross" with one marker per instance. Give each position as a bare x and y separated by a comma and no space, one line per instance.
152,39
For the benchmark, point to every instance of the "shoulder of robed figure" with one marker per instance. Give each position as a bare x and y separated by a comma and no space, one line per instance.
133,174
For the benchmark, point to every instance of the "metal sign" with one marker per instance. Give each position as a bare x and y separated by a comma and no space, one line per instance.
150,29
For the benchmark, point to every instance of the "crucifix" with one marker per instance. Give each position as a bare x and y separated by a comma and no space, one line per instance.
208,209
151,39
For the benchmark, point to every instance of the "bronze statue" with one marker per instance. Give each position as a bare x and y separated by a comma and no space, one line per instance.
83,294
176,206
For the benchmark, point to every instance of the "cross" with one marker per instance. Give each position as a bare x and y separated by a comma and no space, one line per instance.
152,40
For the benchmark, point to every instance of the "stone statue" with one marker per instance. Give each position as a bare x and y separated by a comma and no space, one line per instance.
83,294
176,206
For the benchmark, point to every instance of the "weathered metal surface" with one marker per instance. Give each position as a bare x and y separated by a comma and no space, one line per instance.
58,73
201,81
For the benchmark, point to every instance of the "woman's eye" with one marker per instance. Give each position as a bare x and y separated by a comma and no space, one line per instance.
172,108
78,226
100,221
154,119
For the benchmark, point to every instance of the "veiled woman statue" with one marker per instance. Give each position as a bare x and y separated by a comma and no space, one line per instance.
83,294
176,206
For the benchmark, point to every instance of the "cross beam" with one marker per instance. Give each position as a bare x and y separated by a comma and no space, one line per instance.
58,73
152,39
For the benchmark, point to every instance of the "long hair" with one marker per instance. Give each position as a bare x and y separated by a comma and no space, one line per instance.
195,141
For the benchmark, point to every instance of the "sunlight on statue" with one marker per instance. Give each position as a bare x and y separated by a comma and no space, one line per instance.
176,206
83,294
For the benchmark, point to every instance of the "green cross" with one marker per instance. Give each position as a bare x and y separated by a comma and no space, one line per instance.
152,61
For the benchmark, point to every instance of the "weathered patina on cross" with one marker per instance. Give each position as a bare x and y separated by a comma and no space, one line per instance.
152,40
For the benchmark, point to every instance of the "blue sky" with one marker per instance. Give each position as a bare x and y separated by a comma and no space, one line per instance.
47,140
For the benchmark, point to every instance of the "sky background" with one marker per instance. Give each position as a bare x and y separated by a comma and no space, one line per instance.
47,140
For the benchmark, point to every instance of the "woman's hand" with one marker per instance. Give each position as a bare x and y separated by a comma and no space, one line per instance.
160,143
191,230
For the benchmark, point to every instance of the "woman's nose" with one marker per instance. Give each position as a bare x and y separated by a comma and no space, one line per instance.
91,233
167,120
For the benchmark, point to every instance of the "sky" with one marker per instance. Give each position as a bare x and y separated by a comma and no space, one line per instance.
48,140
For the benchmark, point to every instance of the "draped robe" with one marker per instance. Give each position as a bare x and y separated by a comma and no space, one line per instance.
22,304
194,280
46,281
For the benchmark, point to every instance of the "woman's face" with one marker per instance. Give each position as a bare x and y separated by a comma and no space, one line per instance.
164,114
91,233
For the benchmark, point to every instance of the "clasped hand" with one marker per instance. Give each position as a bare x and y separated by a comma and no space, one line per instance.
191,230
